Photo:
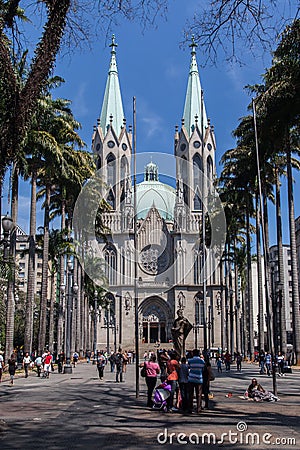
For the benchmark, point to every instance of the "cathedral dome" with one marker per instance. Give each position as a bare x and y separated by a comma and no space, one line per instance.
151,192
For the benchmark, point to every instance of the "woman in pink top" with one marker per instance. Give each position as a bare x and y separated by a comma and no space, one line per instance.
152,370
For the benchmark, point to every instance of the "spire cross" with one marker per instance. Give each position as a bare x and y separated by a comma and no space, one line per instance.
193,45
113,45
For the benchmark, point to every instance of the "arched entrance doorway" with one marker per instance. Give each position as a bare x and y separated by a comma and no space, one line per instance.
154,320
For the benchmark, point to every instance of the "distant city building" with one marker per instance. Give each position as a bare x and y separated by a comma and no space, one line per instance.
22,245
297,226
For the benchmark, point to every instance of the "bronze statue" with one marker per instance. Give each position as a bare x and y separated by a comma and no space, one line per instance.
180,331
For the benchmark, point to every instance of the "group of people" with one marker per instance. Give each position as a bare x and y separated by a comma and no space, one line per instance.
227,359
267,363
118,363
188,378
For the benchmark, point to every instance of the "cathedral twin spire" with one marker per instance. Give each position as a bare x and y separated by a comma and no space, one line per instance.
112,107
194,108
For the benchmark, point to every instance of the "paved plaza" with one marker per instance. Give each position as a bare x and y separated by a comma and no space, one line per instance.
79,411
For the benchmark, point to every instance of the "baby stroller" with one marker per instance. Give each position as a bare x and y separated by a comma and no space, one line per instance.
162,393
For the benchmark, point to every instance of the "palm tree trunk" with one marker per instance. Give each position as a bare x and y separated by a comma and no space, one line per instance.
295,286
260,317
78,346
10,310
268,290
61,308
44,292
249,290
31,270
51,311
281,304
74,308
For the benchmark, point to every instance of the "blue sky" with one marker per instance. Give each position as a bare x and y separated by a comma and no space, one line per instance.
154,68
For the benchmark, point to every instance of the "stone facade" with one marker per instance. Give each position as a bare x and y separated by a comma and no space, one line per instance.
166,235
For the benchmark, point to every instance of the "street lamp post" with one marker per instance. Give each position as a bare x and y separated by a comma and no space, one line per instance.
231,312
95,324
7,226
115,332
107,325
219,307
60,316
72,289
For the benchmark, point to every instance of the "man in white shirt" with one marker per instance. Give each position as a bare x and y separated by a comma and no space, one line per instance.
26,363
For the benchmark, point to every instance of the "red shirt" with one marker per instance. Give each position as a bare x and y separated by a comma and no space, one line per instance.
48,359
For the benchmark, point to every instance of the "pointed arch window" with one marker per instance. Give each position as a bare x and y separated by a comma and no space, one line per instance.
111,200
199,309
98,163
110,256
124,170
111,170
183,168
198,258
197,181
197,201
210,171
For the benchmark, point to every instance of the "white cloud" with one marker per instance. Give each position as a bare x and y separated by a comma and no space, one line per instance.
79,105
153,123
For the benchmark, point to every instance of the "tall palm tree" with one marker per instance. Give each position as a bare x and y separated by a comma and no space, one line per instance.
279,105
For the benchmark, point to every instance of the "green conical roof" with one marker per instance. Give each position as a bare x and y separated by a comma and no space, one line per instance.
194,103
112,102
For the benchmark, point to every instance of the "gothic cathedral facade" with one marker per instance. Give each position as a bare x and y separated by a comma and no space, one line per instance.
161,228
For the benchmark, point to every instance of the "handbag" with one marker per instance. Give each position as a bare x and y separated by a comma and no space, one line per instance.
143,371
211,376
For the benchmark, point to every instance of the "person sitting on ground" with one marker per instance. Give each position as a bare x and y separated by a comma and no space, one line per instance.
258,393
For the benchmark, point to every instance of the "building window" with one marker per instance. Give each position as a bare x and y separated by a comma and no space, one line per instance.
111,170
199,312
197,177
111,265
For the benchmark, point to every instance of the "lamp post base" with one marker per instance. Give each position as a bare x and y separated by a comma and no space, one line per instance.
68,369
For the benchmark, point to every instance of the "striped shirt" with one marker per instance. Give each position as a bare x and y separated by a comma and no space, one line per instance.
196,365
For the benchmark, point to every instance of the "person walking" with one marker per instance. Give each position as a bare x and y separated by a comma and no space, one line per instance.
227,359
239,362
26,363
1,365
75,359
195,380
38,363
152,370
118,365
219,364
101,362
261,361
268,362
280,364
12,365
112,360
47,364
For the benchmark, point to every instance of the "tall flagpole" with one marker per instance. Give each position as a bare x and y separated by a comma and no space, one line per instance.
136,302
203,234
269,309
